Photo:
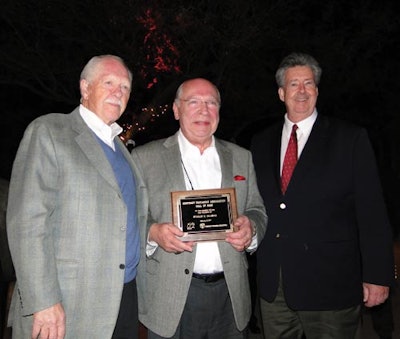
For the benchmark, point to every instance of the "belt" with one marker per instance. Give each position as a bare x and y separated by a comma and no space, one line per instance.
208,278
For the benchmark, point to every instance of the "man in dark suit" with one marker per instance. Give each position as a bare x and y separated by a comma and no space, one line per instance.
328,246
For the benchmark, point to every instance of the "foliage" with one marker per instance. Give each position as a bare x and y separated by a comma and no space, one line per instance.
237,44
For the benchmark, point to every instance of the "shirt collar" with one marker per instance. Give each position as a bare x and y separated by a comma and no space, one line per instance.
304,126
187,148
105,132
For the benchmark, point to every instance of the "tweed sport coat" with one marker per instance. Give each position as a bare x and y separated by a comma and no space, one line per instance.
66,225
168,275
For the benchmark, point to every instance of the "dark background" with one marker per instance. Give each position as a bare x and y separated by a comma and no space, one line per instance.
237,44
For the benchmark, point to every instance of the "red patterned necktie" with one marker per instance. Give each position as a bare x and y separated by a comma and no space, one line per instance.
289,163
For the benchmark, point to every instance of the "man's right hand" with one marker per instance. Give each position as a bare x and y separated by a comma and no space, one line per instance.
167,235
49,323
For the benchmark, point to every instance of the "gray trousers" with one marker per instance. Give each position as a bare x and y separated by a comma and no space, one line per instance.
207,314
281,322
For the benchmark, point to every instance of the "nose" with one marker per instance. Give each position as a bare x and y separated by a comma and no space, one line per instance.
204,106
204,109
118,91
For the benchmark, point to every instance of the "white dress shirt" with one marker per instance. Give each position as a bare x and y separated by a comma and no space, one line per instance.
105,132
202,171
303,132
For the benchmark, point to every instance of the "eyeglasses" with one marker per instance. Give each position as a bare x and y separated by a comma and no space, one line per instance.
197,102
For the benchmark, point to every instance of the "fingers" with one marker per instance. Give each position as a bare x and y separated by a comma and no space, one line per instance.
374,294
48,333
49,323
242,237
365,293
35,330
176,245
167,235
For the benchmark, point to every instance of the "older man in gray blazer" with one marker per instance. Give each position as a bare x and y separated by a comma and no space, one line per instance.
75,204
198,290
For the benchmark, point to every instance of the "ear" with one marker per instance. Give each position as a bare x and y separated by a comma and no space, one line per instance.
84,87
281,93
176,111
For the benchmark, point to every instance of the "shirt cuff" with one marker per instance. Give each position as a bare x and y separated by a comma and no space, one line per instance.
151,247
253,244
254,241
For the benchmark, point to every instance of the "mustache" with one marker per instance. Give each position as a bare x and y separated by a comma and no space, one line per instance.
114,101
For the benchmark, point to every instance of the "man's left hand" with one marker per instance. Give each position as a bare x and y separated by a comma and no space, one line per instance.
374,294
241,238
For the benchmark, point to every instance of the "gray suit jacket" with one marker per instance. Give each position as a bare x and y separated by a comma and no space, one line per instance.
66,224
167,275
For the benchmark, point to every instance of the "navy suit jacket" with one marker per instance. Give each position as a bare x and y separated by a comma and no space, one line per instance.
330,231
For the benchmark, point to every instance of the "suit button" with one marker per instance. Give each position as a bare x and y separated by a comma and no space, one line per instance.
121,266
187,271
282,205
277,236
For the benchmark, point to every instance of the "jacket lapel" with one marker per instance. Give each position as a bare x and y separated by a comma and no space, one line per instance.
313,152
225,158
93,151
171,157
276,153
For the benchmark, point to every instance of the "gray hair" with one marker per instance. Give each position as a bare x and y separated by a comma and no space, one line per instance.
297,59
89,71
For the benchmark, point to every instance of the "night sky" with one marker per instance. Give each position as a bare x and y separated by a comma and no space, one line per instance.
236,44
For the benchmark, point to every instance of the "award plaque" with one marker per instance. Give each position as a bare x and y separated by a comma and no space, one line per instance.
204,214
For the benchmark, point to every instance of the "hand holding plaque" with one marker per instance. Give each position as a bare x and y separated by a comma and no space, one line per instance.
204,214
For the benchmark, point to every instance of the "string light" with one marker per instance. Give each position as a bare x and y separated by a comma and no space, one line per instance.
161,56
148,114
